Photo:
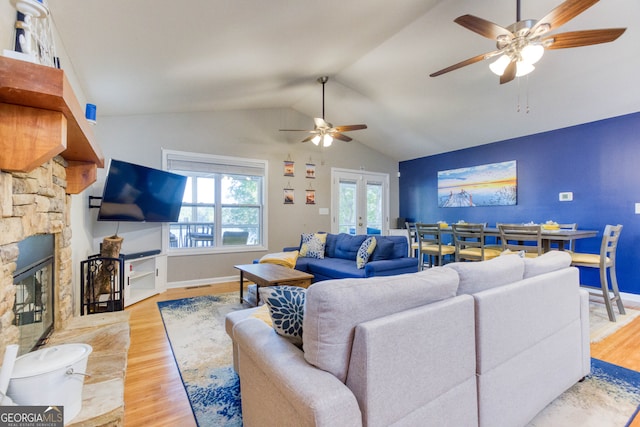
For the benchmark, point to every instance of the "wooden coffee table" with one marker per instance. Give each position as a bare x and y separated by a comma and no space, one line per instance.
271,275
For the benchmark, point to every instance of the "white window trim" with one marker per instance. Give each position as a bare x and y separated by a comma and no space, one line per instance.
241,161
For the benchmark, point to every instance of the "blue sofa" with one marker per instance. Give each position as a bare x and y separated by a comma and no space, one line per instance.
389,258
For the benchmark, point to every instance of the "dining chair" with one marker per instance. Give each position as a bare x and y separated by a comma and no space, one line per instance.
430,244
518,237
605,261
469,243
235,237
413,238
200,233
570,226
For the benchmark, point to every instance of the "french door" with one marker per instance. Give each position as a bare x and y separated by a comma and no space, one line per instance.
359,202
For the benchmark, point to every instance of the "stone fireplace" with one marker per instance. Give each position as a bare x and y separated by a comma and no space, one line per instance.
34,204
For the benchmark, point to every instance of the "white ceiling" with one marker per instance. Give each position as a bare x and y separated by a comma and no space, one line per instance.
154,56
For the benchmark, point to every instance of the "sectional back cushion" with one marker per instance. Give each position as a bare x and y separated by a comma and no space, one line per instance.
335,307
482,275
384,249
546,263
347,246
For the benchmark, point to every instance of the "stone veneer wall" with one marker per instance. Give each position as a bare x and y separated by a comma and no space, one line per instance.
34,203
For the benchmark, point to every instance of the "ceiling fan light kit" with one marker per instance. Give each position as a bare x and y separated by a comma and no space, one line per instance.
323,131
523,43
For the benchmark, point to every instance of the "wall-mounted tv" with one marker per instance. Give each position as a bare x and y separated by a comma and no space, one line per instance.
139,193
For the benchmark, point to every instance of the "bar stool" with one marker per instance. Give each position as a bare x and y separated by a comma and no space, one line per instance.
605,260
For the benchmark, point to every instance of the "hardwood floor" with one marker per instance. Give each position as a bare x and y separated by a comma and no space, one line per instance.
154,394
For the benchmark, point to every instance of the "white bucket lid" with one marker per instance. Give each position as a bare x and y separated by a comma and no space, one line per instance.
49,359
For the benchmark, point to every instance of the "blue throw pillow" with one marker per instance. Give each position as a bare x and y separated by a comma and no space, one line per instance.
286,307
384,249
365,251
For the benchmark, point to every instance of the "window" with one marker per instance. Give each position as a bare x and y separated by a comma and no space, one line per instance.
223,208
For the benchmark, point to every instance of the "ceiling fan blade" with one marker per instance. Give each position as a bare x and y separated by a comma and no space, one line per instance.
483,27
563,13
465,63
309,138
581,38
509,73
295,130
341,137
347,128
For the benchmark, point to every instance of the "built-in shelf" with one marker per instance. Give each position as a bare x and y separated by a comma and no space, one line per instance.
42,118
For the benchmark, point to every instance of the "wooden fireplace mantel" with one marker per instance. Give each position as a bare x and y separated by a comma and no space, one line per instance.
42,118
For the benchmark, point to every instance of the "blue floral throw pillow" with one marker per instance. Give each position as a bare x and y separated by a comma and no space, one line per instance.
286,306
366,249
312,245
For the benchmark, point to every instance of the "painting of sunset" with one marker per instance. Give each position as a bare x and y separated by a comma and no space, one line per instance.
494,184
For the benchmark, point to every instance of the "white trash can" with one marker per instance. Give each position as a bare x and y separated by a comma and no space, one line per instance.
52,376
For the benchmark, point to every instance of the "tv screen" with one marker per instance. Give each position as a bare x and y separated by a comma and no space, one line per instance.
139,193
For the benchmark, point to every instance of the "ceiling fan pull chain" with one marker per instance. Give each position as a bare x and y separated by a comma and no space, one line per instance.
518,97
527,89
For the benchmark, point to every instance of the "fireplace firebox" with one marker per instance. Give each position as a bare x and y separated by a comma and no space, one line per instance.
34,280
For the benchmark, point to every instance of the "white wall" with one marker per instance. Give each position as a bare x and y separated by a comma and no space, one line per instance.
252,134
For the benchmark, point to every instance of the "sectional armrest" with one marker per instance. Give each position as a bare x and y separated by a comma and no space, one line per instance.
280,388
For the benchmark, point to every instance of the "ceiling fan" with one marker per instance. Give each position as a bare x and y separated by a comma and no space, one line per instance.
324,131
522,44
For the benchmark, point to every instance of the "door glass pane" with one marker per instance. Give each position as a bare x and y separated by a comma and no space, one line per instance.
374,208
347,211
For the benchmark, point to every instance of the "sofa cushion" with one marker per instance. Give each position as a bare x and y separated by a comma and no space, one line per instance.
546,263
481,275
330,245
335,307
312,245
286,307
336,268
347,246
384,249
364,252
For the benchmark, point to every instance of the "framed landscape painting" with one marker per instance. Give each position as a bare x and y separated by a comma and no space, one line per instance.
493,184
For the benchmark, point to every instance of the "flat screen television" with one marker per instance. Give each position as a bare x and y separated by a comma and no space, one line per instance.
139,193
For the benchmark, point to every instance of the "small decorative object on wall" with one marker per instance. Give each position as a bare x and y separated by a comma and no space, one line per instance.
492,184
311,170
310,196
288,196
288,167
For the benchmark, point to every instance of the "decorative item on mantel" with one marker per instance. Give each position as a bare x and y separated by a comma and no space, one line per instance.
33,36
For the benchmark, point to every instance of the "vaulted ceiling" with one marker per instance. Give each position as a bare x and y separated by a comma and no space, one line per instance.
145,57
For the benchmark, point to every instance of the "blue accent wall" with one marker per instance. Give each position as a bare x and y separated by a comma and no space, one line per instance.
599,162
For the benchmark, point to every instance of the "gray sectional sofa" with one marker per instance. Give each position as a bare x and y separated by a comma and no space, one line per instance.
484,343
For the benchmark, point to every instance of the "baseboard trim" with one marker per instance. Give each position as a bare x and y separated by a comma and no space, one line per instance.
201,282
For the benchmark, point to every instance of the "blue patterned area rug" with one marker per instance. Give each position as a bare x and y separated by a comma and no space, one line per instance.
609,397
203,353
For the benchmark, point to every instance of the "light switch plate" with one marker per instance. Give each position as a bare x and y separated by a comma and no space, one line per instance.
566,196
637,208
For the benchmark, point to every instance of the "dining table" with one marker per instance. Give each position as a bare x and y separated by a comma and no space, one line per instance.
561,237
